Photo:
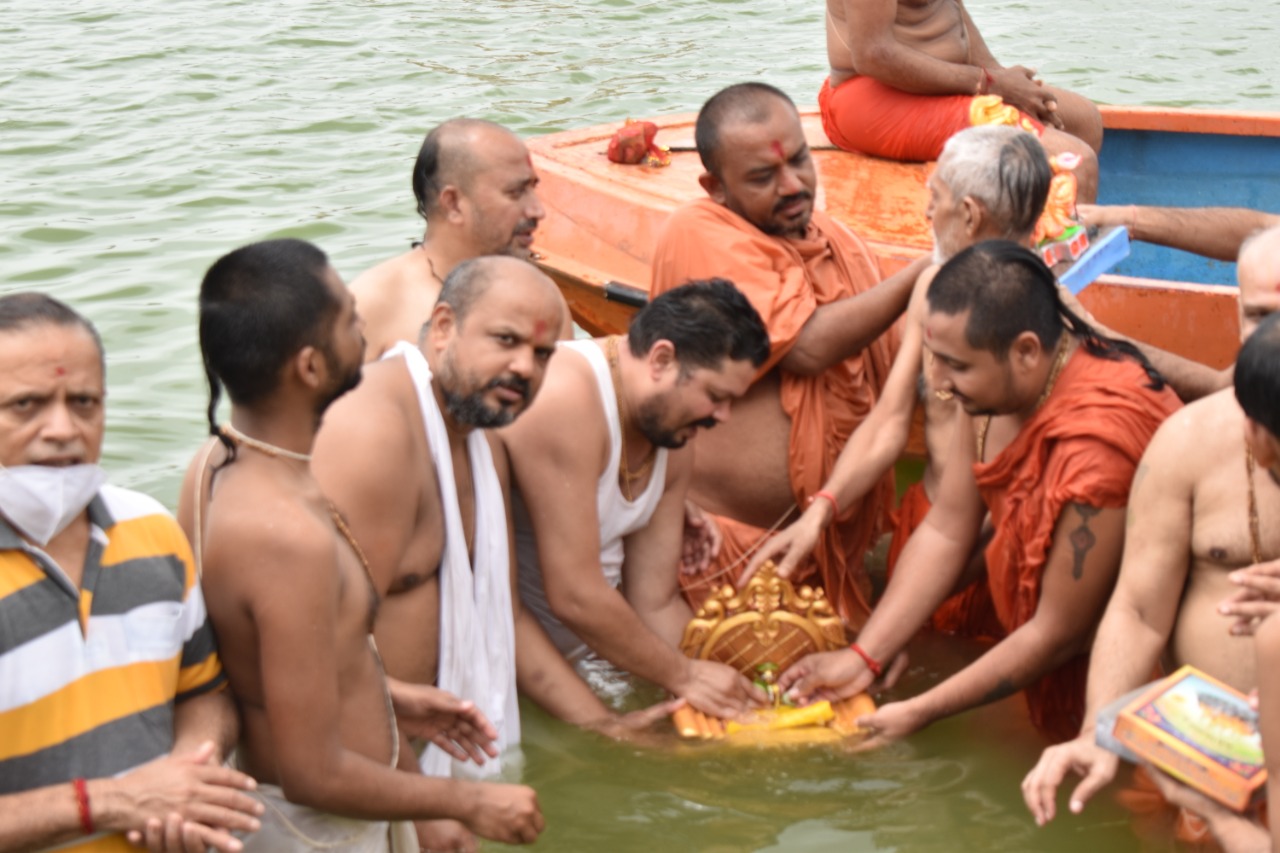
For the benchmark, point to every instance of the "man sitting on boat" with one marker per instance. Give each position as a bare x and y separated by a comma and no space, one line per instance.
289,590
990,183
999,341
818,289
1195,519
602,470
907,74
476,189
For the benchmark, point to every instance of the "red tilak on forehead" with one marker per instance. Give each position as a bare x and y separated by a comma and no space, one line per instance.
59,371
540,328
776,146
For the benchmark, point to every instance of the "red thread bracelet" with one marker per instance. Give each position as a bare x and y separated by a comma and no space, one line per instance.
82,801
872,663
828,496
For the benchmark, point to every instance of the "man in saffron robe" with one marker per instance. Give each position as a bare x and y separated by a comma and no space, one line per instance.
818,289
1000,341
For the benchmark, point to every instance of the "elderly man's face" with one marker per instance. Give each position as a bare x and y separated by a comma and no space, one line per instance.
51,396
946,215
766,172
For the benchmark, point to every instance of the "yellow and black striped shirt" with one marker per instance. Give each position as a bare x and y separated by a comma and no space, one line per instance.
89,676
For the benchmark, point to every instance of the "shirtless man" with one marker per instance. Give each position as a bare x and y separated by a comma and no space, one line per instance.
1188,529
1257,389
602,468
904,74
475,187
410,461
285,583
1003,345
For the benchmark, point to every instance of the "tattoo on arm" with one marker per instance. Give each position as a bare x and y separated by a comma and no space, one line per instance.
1082,539
1005,688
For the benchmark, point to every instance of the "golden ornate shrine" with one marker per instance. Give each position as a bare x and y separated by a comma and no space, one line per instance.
760,631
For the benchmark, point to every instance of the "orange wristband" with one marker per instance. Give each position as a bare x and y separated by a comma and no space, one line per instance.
827,496
82,803
872,663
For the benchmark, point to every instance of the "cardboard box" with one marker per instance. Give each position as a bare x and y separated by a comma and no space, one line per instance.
1201,732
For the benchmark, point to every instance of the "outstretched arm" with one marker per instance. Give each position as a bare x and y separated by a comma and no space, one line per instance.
872,450
1078,577
1215,232
927,571
1138,619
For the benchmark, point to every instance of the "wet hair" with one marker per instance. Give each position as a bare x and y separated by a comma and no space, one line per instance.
706,321
444,158
1005,168
1008,291
23,310
748,102
1257,375
259,305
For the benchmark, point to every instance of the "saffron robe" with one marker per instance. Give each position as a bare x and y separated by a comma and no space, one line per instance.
1081,447
787,280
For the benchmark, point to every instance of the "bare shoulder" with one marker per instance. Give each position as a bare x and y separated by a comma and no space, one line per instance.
569,396
261,532
379,285
1186,436
372,414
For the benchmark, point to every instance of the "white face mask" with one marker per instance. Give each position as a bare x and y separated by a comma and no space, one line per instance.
41,500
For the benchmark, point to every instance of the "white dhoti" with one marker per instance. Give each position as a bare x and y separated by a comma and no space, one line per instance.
287,827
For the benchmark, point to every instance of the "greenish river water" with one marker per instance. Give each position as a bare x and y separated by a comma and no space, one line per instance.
140,141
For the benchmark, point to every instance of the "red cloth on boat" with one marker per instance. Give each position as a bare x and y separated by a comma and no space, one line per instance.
1081,447
968,613
787,280
864,115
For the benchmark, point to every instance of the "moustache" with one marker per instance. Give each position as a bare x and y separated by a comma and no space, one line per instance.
527,226
511,383
704,423
803,195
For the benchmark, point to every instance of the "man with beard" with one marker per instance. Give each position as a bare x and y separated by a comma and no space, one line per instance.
476,189
287,585
990,183
409,459
818,289
1000,342
602,476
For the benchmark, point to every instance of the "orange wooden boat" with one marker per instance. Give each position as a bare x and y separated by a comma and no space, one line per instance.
603,218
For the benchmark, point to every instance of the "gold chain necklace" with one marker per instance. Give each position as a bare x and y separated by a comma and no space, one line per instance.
1255,535
1059,361
626,475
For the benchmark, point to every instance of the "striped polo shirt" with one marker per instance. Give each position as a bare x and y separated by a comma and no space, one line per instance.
89,676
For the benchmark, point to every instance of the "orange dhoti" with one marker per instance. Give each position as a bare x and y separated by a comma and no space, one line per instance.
968,613
787,280
865,115
1081,447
